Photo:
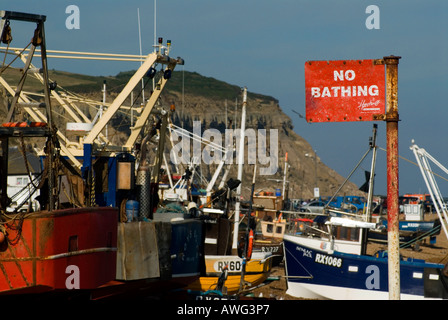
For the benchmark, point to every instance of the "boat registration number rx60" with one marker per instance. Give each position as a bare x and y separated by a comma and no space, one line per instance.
232,265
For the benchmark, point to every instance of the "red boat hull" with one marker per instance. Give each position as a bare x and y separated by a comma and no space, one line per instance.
59,250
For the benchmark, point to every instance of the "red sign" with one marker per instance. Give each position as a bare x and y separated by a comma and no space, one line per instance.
344,90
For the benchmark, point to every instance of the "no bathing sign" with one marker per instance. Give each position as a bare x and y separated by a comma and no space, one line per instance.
344,90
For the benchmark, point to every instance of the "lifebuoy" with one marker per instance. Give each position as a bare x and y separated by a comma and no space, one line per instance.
250,245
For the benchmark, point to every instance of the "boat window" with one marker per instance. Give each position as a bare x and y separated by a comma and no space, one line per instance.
22,181
345,233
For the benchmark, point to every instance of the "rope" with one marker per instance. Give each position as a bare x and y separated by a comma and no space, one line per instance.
92,190
25,158
6,67
18,228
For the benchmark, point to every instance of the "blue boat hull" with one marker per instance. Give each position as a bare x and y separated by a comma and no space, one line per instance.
409,231
319,274
418,226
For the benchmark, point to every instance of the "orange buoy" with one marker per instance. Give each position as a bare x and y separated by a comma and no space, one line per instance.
38,124
250,245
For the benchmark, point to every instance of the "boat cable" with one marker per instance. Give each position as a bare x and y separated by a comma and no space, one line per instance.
12,61
416,164
25,158
306,270
348,178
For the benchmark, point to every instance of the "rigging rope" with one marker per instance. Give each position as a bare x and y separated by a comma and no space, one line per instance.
6,67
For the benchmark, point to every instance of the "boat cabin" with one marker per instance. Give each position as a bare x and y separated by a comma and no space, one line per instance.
330,233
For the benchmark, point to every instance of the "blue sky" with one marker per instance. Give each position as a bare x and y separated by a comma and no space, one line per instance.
263,45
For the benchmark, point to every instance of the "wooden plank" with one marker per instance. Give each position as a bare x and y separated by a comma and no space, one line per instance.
137,256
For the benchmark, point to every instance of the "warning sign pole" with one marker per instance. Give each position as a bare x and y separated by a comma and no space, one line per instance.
392,119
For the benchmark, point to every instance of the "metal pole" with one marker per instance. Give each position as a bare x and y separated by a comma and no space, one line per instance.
392,176
285,173
315,170
248,227
240,173
372,174
104,104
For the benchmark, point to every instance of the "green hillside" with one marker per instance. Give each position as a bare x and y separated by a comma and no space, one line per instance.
191,83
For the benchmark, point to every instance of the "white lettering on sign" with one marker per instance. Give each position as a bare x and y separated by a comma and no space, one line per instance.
341,75
371,105
345,91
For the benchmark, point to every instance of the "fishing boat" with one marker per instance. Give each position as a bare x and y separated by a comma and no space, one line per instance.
96,232
409,231
51,249
271,239
257,270
320,274
334,273
335,265
268,208
231,264
331,234
224,270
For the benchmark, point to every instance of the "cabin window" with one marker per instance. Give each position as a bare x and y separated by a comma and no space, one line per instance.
344,233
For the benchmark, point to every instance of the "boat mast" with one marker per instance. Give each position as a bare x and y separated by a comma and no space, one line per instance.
240,172
285,173
38,40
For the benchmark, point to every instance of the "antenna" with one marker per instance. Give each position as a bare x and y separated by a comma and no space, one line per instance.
140,42
155,22
155,38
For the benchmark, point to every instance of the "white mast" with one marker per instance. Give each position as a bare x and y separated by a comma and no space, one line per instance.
104,103
285,173
240,171
155,22
140,43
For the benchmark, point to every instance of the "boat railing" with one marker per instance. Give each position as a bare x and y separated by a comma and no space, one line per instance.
303,223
